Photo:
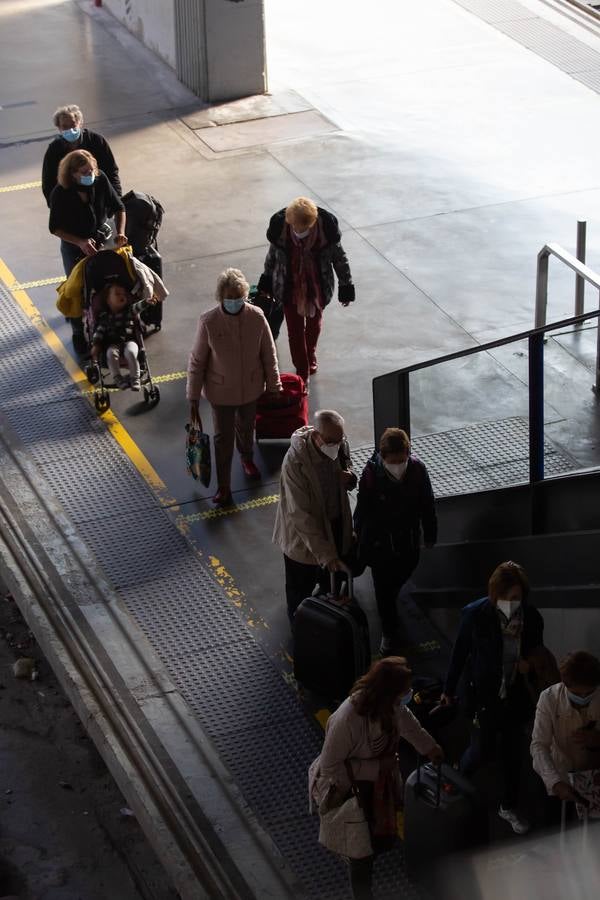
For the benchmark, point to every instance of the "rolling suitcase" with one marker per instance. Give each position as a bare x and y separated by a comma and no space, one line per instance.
278,418
442,814
331,643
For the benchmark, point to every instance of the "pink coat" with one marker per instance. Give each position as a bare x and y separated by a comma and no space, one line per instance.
233,357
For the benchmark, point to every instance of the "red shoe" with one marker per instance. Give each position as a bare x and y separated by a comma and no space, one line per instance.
250,470
223,498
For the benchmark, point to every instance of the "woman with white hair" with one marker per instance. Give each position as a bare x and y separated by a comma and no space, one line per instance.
232,359
73,136
304,252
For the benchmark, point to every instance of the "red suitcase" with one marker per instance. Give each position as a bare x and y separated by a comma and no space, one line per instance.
278,418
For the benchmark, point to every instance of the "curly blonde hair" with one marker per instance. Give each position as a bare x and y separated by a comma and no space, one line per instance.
231,283
71,163
301,212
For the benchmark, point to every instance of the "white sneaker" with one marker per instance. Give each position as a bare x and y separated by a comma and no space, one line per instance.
518,824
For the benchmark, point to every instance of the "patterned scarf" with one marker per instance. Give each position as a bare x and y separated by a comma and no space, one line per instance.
306,284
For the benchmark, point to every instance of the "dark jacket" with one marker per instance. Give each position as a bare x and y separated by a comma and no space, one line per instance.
276,278
69,213
478,651
90,141
389,514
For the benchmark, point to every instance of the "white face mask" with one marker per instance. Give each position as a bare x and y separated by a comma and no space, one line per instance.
330,450
301,234
396,470
508,607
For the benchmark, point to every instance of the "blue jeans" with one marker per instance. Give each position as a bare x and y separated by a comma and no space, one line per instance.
70,256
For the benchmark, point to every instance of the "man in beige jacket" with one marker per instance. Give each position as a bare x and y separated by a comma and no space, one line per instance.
313,525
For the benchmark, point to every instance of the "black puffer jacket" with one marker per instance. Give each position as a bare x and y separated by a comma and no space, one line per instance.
276,277
389,514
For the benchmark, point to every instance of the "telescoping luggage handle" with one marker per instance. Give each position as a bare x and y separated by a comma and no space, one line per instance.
563,823
342,598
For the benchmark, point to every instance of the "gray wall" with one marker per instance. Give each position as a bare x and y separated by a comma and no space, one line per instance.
216,47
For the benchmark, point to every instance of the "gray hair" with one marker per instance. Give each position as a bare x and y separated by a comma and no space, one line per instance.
231,280
328,417
70,110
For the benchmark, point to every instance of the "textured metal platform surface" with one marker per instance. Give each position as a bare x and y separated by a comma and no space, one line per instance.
553,44
241,700
478,457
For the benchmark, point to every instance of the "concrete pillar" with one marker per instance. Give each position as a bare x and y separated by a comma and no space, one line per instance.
216,47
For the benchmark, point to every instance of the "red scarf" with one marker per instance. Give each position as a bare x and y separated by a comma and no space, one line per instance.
306,283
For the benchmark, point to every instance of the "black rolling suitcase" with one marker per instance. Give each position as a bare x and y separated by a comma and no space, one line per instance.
331,643
442,815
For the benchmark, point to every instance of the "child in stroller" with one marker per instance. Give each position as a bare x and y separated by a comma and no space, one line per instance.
117,333
113,327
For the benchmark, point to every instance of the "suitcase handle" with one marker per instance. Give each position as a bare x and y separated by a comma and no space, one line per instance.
438,783
349,584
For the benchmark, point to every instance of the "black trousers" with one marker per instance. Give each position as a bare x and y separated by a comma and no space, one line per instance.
300,582
389,577
499,730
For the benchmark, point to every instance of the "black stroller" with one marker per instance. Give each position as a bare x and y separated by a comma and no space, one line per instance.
109,267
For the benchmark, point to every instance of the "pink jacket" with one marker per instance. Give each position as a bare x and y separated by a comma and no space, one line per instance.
232,358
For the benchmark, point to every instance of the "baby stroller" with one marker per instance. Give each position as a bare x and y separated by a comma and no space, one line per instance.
108,267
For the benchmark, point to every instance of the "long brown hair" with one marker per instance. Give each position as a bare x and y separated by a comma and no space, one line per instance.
73,161
506,576
375,693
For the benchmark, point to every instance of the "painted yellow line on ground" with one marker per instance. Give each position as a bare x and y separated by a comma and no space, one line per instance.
6,188
256,503
156,379
41,282
117,430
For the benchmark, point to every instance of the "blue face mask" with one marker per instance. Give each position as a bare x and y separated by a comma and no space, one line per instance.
233,306
86,180
580,701
71,134
405,699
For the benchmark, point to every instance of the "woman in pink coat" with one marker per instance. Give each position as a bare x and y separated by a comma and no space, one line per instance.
232,360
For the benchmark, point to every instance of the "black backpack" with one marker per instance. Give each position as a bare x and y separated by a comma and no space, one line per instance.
144,217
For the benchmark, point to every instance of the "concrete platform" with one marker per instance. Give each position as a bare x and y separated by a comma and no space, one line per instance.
456,154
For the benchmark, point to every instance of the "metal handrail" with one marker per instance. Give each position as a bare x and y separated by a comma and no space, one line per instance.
391,392
541,283
491,345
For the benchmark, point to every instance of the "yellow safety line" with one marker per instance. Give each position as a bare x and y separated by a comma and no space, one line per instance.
156,379
117,430
257,503
4,189
41,282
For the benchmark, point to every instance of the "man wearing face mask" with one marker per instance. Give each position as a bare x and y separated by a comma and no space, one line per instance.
73,136
495,637
313,524
304,252
566,732
395,503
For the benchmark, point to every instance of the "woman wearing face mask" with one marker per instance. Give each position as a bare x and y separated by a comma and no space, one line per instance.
232,359
361,742
73,136
395,502
496,637
304,252
80,205
566,732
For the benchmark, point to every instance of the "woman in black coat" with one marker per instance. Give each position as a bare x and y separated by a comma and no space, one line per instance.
395,503
80,206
